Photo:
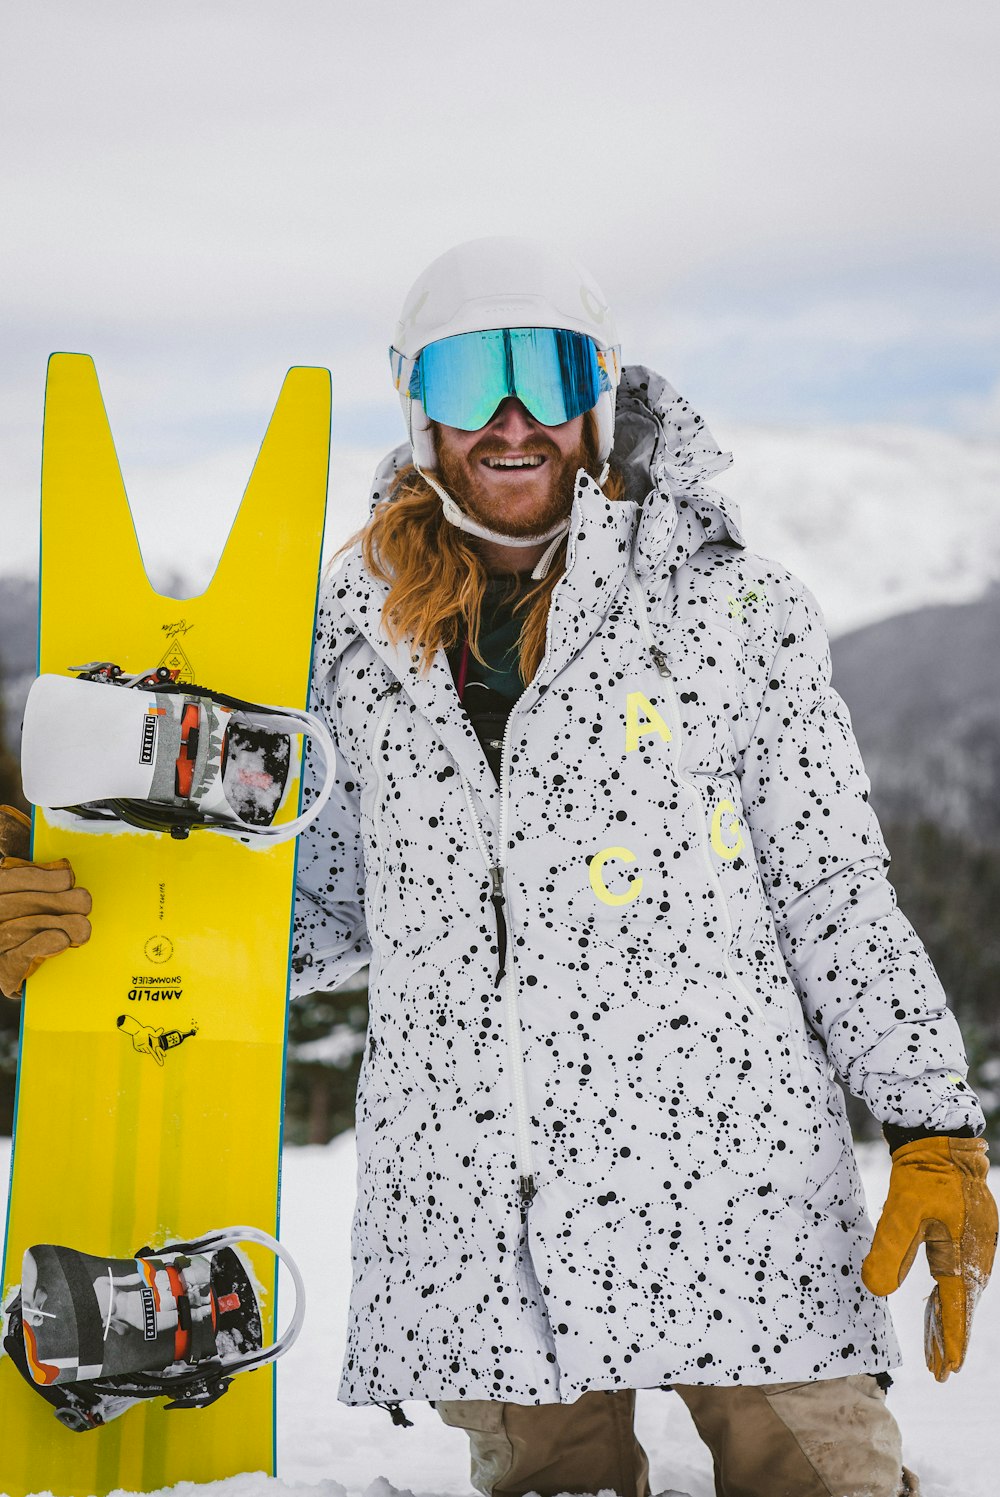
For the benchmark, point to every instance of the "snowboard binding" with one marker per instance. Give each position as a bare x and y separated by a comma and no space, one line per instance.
97,1336
164,755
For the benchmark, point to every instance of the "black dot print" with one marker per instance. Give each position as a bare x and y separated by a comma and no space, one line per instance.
701,937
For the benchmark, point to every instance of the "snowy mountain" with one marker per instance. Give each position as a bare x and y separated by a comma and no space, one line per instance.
924,694
876,520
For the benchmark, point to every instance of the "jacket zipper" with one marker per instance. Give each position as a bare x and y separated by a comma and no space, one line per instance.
506,976
663,668
505,970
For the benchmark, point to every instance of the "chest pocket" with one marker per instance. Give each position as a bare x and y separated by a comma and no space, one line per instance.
703,699
695,669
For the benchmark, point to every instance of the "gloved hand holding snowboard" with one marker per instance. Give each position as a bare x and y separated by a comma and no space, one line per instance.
938,1196
42,911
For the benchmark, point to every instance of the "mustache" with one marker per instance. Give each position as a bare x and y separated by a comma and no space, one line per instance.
490,447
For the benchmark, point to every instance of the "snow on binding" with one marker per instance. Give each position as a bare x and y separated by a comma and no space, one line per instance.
96,1336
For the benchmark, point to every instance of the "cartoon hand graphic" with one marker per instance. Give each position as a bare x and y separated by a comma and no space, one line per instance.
143,1037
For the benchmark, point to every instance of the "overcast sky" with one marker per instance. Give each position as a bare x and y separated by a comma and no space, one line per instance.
792,207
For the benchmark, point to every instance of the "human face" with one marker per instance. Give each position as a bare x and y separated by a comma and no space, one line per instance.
513,474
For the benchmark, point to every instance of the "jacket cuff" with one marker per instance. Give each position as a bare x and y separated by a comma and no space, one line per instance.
897,1137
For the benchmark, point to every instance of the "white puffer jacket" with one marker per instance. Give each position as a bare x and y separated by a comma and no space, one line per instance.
700,936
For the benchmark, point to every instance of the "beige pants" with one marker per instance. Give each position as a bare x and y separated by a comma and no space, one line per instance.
833,1438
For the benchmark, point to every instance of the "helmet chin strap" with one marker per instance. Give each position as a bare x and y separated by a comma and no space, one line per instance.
461,521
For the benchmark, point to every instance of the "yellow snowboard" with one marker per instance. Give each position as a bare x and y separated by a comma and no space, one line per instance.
115,1146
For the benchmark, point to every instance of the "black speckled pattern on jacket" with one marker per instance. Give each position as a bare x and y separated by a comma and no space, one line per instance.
702,933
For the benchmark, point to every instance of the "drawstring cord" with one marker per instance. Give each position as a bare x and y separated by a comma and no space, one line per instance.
395,1412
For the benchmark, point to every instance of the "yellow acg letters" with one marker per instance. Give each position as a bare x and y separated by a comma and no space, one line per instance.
597,883
722,847
642,717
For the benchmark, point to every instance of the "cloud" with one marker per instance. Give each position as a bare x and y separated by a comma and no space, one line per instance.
978,415
201,196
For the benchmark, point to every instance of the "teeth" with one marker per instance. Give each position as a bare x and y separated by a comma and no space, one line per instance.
514,462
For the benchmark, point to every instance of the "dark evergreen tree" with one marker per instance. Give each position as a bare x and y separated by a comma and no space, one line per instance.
949,888
10,773
10,795
326,1040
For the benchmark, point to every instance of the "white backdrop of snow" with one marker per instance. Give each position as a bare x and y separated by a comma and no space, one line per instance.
951,1434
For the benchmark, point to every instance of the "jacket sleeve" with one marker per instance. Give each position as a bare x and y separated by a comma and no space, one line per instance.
866,984
330,941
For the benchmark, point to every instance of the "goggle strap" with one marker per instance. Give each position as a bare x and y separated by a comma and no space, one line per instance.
400,365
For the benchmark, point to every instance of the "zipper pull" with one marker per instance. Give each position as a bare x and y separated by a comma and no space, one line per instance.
527,1192
660,660
395,1412
389,691
496,895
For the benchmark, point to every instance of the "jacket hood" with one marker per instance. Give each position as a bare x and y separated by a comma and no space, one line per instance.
667,456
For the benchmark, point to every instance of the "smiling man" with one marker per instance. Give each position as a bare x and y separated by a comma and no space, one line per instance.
602,832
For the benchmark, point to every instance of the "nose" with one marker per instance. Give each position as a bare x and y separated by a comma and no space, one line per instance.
512,420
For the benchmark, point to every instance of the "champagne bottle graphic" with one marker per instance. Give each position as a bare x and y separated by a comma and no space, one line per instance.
174,1037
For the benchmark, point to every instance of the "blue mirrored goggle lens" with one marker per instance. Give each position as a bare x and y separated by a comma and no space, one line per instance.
556,374
460,381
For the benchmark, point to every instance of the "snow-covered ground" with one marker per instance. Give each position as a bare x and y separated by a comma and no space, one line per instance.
951,1432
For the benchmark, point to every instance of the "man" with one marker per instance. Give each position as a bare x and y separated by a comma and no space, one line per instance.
601,831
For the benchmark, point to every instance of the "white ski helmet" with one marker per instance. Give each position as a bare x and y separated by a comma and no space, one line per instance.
502,282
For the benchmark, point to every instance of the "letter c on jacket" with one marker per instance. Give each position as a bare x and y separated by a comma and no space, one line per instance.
597,883
724,848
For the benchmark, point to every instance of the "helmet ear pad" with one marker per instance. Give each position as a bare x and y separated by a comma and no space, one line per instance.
421,431
604,414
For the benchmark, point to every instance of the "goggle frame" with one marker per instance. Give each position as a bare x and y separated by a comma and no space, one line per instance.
460,381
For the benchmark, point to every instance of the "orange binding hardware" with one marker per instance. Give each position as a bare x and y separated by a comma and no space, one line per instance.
182,1335
190,720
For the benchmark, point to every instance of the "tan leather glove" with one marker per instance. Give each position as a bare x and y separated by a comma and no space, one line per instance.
41,912
938,1196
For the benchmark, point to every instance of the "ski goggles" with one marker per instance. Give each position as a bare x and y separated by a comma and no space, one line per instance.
460,381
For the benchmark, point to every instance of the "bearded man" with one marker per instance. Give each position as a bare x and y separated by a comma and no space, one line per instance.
603,834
